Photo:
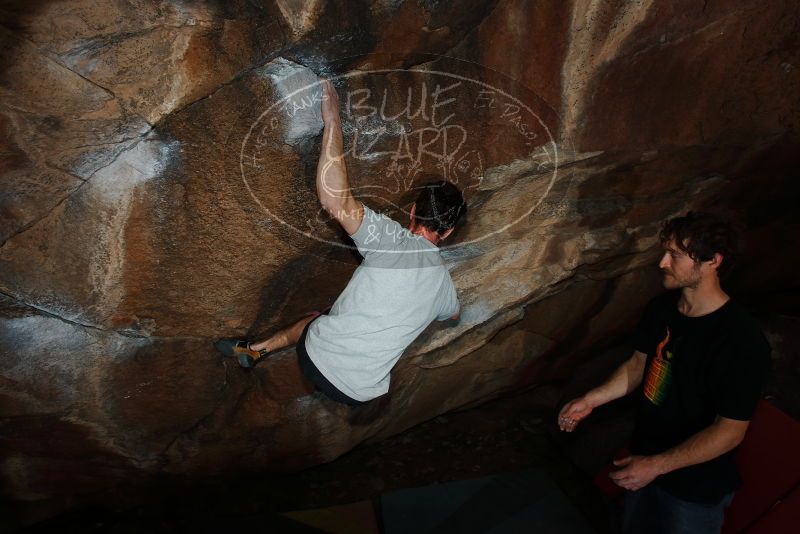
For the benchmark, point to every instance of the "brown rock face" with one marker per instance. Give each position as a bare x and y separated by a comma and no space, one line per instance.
157,193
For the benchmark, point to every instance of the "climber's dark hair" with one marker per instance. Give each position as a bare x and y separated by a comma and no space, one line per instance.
439,205
701,235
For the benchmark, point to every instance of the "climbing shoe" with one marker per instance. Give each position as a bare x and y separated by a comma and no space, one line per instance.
240,349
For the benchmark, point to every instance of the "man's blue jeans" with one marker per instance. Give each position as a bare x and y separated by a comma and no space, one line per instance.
652,510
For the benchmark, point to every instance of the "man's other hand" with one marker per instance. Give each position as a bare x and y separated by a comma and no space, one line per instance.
329,107
573,413
636,472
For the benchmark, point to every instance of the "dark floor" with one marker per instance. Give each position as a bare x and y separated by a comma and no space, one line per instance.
504,435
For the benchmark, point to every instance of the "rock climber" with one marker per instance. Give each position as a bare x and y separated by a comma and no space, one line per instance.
401,286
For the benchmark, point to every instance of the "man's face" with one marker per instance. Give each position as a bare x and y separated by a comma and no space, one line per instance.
679,269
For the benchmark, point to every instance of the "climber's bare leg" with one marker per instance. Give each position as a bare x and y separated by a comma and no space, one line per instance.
285,337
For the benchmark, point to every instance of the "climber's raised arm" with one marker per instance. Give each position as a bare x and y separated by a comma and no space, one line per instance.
333,188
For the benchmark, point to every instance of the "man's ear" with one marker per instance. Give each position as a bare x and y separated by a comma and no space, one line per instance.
716,261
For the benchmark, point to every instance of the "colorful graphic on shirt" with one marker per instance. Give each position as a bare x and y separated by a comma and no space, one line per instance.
659,375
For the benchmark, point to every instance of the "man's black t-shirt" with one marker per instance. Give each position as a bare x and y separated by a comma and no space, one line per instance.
697,368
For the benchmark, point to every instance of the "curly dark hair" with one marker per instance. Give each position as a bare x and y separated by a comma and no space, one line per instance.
701,235
439,205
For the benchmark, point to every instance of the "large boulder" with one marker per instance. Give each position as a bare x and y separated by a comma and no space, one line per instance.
158,193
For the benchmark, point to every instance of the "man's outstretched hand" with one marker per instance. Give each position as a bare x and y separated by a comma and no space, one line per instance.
573,413
330,102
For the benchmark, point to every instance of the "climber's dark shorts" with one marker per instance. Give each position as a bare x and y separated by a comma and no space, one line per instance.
316,377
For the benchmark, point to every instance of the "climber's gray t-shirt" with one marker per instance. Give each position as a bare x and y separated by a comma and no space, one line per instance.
398,290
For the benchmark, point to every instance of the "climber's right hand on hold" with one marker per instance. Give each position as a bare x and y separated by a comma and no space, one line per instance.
329,107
